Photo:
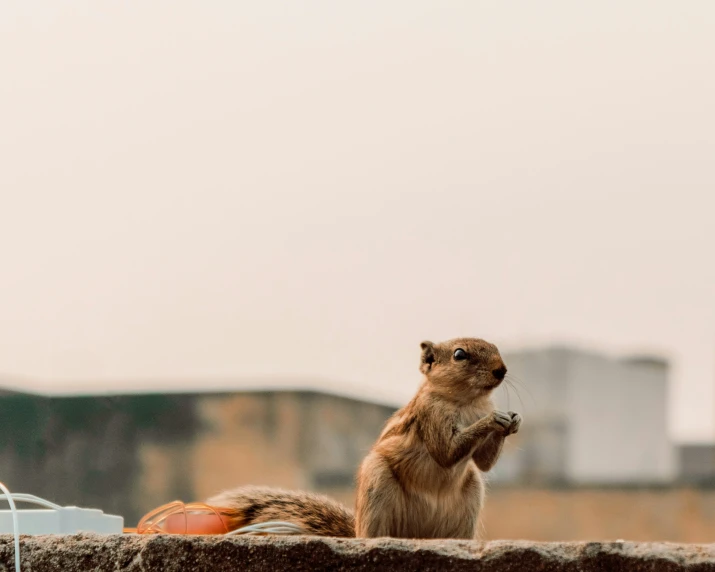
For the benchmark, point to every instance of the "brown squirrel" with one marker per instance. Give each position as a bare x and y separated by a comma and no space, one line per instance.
422,478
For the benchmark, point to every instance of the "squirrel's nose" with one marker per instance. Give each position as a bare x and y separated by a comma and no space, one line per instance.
499,373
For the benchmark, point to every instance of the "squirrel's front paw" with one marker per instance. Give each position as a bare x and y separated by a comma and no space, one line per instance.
506,423
515,423
501,422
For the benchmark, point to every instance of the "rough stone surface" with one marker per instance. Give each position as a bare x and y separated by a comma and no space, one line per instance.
135,553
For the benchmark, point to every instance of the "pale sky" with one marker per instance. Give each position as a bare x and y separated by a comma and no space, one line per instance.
200,192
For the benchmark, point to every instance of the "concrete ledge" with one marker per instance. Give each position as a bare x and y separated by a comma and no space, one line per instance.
134,553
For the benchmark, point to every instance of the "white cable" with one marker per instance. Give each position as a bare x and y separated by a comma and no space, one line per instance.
15,525
34,500
271,527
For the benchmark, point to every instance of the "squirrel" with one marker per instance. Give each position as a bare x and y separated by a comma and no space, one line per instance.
422,478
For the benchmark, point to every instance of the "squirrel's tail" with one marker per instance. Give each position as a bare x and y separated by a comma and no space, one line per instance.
316,514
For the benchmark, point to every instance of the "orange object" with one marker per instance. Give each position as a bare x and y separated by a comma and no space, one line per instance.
179,518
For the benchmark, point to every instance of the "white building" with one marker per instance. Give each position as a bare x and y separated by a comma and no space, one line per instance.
588,419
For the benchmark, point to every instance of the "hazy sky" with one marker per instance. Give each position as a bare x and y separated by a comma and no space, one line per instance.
294,190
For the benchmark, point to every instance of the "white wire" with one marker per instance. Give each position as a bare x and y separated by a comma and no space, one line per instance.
15,526
271,527
33,499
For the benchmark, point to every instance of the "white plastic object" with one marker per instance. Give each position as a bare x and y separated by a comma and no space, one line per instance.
56,519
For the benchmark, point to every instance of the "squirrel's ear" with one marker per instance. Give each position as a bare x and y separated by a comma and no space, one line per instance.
427,356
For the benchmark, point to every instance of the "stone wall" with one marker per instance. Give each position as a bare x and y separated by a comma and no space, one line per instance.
131,553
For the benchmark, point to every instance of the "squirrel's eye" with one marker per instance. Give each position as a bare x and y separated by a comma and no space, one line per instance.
460,354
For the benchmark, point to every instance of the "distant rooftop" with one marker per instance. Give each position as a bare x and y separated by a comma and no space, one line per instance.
646,360
179,386
653,359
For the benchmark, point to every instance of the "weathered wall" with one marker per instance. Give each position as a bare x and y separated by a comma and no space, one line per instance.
675,515
128,454
131,553
555,515
85,451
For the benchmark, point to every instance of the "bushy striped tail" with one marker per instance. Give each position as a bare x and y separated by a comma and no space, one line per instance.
316,514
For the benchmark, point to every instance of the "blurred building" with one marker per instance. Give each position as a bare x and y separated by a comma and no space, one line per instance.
129,454
588,419
593,459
